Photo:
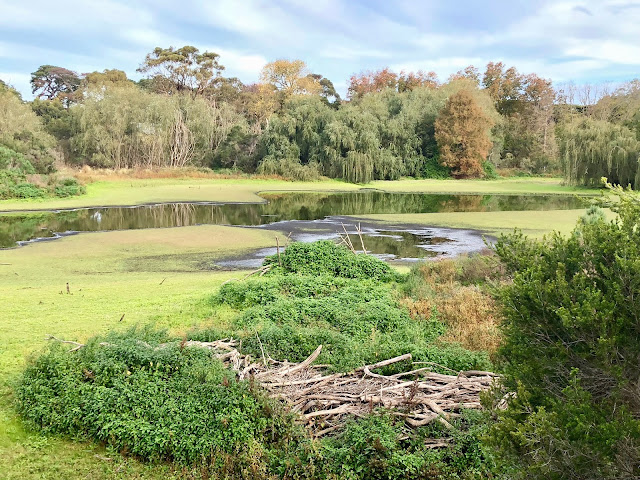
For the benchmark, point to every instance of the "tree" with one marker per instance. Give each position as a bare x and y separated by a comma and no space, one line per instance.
470,73
290,77
125,126
527,105
55,82
328,93
591,149
462,133
22,131
369,81
411,80
182,69
105,78
571,349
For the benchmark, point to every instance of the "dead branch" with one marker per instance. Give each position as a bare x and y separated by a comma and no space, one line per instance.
325,401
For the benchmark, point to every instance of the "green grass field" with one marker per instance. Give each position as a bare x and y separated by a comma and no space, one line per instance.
149,276
161,276
140,191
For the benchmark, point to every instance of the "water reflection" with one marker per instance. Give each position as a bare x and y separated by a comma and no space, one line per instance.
15,228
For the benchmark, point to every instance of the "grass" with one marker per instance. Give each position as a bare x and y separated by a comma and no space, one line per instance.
132,191
159,276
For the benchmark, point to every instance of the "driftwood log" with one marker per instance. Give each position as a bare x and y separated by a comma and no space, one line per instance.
324,400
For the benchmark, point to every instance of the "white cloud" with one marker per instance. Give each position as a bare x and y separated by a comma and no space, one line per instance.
18,80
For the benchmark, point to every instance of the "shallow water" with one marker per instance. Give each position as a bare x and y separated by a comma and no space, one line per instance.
305,216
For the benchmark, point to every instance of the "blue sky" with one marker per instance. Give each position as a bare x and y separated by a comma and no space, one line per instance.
588,41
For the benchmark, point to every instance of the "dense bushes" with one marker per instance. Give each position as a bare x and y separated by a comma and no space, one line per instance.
325,257
571,350
18,179
146,394
325,294
158,402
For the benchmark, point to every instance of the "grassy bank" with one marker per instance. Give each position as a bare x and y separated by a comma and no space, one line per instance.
158,276
132,191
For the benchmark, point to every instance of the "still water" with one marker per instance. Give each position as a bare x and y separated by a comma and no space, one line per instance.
308,213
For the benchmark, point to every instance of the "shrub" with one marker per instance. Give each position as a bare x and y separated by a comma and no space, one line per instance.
571,350
26,190
357,320
431,168
326,258
68,187
157,402
376,447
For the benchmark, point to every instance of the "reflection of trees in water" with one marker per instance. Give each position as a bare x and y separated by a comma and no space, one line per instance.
285,206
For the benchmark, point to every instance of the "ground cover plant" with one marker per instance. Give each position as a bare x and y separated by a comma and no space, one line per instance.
321,293
139,396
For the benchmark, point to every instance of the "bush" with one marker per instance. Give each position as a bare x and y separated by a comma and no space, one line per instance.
376,447
325,294
431,168
68,187
157,402
26,190
571,350
327,258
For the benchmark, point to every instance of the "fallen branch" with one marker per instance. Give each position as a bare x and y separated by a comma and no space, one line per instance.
325,401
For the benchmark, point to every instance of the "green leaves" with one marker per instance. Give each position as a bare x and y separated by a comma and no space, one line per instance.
571,347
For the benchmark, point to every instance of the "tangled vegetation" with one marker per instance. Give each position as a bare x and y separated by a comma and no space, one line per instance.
27,153
294,124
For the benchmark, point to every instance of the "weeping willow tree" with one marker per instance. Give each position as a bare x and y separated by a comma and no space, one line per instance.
382,136
124,126
591,149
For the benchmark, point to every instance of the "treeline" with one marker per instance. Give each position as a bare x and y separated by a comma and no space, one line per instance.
293,123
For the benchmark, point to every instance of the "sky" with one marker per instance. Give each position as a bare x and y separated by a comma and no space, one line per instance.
583,41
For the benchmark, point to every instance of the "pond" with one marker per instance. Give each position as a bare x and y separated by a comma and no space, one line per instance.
308,216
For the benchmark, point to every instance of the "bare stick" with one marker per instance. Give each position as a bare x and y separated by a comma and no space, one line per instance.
278,248
361,239
384,363
264,360
304,364
78,345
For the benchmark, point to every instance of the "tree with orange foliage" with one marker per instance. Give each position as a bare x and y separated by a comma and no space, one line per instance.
462,132
469,73
409,81
367,82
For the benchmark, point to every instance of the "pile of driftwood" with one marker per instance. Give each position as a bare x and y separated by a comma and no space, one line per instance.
418,395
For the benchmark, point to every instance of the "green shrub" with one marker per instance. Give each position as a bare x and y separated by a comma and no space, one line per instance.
27,190
571,350
376,447
431,168
358,321
489,170
68,187
326,258
155,402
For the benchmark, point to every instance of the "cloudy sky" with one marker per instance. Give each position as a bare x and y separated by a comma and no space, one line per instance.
584,41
